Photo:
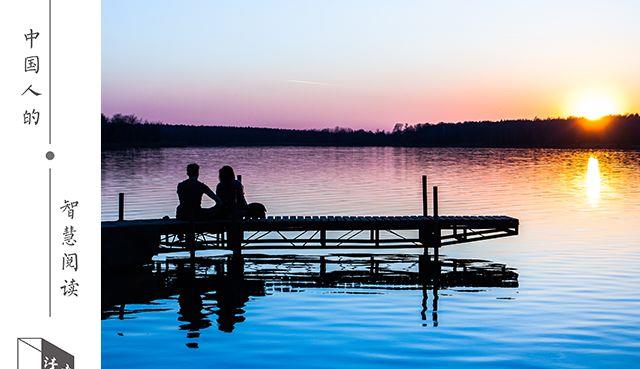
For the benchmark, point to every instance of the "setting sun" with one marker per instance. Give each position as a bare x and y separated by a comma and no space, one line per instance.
594,106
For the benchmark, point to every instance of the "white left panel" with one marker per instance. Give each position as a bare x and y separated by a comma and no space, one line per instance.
57,113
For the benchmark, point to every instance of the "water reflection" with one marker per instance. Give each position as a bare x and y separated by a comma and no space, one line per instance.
221,288
578,304
593,181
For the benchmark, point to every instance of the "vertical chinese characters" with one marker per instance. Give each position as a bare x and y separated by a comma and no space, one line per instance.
31,116
70,243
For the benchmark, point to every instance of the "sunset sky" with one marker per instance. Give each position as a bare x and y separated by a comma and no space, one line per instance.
367,64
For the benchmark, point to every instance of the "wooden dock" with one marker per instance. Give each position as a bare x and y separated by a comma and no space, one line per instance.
141,239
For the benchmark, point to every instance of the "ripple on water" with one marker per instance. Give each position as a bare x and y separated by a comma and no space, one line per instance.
578,256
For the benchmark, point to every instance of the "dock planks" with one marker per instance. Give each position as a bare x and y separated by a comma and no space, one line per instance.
306,232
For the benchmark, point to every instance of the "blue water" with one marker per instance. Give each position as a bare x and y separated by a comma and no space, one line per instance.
577,303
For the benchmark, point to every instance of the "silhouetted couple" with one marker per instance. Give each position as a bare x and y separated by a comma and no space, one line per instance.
229,197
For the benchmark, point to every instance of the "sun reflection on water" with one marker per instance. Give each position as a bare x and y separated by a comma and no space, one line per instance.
593,181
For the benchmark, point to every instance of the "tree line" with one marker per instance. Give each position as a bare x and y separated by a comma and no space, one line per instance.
619,131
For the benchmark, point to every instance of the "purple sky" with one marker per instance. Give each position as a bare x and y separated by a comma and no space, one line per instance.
365,64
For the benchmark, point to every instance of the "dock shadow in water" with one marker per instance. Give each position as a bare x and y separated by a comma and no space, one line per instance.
218,289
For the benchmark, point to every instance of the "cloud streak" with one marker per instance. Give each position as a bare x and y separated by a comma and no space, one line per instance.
313,83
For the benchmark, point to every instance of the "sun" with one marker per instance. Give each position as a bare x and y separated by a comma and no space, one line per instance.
594,105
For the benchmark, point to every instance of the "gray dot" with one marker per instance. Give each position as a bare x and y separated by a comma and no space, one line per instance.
50,155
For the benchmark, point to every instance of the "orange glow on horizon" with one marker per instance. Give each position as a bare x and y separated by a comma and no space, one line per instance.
594,106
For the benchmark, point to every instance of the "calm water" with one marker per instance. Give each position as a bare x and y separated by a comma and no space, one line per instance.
577,304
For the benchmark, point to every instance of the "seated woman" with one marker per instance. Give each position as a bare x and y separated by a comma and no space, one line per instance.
231,194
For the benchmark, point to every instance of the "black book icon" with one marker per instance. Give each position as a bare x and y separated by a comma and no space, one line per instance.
38,353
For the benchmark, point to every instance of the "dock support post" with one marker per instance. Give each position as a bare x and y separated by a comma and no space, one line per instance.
424,234
190,239
235,236
121,206
435,243
323,237
375,236
425,211
434,313
219,268
323,267
236,267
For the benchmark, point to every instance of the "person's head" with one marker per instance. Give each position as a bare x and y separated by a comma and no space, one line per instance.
193,170
226,174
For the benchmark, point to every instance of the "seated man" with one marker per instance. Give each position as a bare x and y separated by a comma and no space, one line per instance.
190,193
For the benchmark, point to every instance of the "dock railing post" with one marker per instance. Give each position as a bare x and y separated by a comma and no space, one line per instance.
425,210
435,201
436,231
240,178
422,232
121,206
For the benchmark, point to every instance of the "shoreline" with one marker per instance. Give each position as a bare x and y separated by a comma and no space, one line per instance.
111,147
614,132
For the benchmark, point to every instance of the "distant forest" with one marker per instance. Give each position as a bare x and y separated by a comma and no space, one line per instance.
620,131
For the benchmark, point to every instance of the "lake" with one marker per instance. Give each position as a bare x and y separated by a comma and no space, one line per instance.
576,303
